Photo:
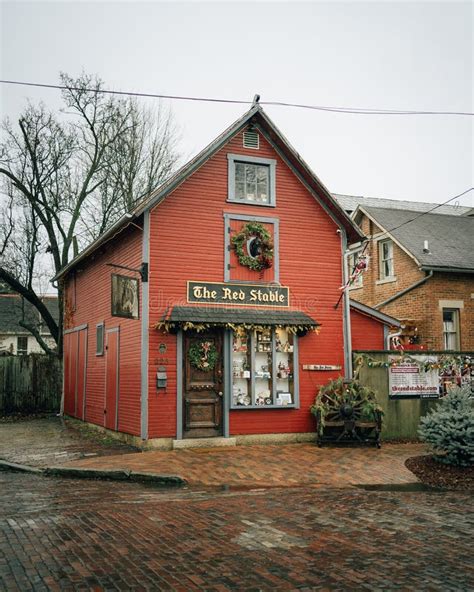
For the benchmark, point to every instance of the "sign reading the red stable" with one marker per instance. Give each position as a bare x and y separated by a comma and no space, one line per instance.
243,294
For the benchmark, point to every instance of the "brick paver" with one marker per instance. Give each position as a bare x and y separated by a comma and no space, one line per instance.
99,536
275,465
51,441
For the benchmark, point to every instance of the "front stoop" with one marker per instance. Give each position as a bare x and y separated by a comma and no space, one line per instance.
204,443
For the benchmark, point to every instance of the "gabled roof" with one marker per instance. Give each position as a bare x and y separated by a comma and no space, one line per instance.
450,238
257,117
11,312
350,203
376,314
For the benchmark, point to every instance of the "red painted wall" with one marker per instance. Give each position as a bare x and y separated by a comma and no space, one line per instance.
187,243
93,305
366,332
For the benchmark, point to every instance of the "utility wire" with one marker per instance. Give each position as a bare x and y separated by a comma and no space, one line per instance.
331,109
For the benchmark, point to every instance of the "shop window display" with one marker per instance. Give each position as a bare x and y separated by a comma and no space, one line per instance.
263,368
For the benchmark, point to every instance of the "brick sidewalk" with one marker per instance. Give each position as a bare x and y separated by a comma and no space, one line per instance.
272,465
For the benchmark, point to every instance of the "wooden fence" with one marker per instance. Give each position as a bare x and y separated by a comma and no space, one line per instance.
30,384
401,416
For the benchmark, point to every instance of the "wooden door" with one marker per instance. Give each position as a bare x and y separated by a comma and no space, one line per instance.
203,389
81,373
112,355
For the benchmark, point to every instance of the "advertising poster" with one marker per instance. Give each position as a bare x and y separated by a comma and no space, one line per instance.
409,380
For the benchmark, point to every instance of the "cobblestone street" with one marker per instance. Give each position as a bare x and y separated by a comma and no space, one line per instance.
95,535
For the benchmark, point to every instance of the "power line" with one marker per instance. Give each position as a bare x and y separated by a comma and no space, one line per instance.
431,210
331,109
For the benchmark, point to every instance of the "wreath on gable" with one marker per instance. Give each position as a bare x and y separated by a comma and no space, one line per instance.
203,355
262,246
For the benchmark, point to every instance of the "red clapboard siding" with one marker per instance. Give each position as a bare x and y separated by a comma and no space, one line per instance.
187,243
93,306
239,272
366,332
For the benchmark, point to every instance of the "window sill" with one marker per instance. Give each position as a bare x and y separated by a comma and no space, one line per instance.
262,407
243,202
387,280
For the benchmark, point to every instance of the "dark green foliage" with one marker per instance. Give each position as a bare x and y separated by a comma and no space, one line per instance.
449,428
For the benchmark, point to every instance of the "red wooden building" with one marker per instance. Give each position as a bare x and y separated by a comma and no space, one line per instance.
209,311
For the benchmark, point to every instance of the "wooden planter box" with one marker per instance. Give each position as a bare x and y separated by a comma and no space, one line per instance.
349,431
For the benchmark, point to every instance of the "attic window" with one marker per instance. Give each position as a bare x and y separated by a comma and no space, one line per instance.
251,180
251,139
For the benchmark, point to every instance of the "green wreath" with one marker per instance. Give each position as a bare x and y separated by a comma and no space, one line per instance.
203,355
264,259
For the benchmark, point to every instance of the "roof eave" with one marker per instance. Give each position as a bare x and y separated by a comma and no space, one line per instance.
443,269
371,312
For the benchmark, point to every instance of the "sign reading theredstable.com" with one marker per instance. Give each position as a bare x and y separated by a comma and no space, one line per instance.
243,294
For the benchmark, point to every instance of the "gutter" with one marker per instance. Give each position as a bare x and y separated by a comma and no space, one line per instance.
447,269
405,291
346,314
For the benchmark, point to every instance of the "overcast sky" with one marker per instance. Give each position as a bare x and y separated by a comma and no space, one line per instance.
401,55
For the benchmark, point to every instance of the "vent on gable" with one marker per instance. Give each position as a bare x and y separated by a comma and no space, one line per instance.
251,139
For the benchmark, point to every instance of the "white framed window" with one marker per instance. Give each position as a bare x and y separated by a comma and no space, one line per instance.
22,345
451,336
386,269
251,180
99,342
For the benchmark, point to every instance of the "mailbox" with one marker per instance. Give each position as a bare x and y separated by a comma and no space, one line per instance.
161,378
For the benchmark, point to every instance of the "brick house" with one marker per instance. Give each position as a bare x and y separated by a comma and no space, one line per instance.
421,271
179,327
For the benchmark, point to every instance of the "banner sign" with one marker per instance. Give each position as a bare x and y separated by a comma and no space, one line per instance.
408,380
243,294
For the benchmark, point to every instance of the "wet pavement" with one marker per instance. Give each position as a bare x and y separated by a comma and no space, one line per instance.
51,440
95,535
287,465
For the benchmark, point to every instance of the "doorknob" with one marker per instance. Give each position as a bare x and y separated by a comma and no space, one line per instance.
220,393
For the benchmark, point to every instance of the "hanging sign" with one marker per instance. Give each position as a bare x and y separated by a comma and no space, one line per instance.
409,380
243,294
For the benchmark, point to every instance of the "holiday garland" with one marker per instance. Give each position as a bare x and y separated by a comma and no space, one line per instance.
264,259
203,355
442,362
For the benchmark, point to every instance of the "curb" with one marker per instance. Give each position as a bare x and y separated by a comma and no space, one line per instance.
98,474
12,467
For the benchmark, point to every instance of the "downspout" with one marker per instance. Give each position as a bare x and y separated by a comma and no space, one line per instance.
346,311
405,291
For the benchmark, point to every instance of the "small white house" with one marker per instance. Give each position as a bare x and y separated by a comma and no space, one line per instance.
15,339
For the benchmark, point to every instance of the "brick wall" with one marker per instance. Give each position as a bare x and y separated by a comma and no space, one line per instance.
423,303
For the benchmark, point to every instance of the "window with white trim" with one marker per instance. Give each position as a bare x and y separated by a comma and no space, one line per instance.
251,180
22,345
99,333
386,259
451,339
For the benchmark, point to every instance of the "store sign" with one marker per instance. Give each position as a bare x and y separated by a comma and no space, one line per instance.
408,380
243,294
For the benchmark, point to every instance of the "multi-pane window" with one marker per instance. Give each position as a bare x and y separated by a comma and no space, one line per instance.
451,328
263,369
252,182
22,345
386,259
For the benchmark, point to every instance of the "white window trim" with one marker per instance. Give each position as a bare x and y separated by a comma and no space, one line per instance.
97,351
382,277
271,163
457,332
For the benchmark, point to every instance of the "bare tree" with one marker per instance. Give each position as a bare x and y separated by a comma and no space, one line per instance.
68,176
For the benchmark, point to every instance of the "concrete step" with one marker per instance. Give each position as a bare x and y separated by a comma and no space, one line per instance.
204,443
